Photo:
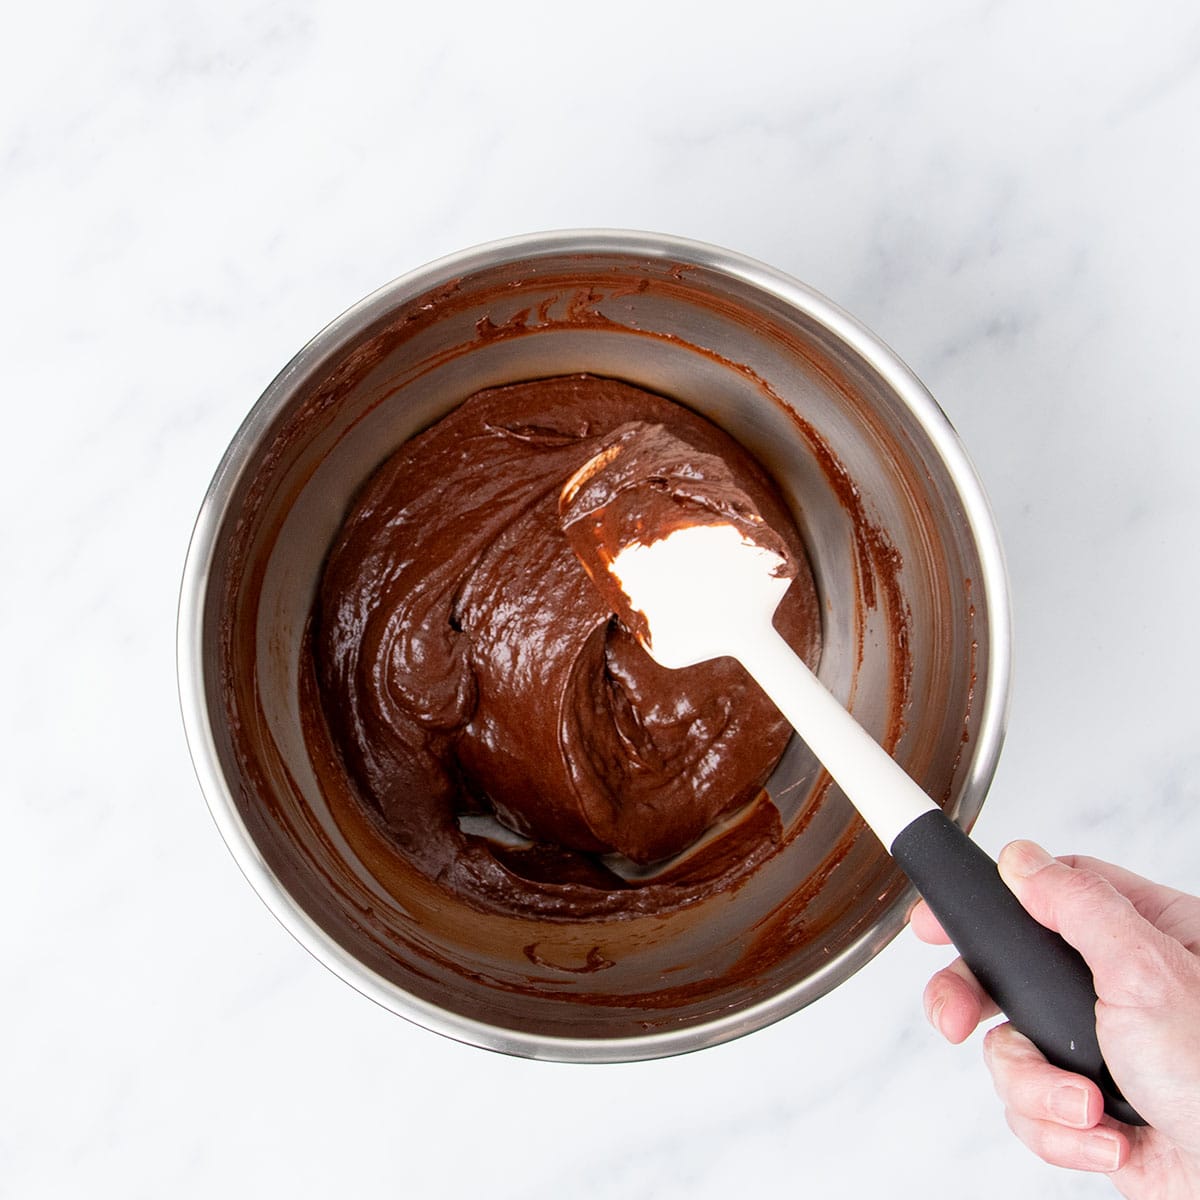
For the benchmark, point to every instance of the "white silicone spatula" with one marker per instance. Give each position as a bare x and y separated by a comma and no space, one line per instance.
706,591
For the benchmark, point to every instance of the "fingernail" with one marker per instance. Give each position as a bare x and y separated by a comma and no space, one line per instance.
935,1014
1022,859
1069,1104
1103,1152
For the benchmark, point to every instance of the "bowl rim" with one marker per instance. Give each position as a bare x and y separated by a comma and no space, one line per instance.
992,705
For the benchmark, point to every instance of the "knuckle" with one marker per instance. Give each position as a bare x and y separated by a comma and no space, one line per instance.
1150,972
1078,899
1145,977
1041,1138
1082,887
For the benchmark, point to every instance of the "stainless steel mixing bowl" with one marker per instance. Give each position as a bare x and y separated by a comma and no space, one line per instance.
909,571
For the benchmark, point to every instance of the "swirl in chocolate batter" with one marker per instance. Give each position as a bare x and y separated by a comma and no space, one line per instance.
468,665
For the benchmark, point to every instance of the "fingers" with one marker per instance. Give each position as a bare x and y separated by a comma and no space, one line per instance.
1030,1086
1128,955
1056,1114
1174,912
955,1003
1101,1150
926,926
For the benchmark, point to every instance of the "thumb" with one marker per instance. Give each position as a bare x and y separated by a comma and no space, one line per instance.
1128,956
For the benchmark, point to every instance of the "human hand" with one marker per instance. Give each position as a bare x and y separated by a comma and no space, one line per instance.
1142,943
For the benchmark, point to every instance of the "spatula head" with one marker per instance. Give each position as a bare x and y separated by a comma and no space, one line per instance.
676,547
696,589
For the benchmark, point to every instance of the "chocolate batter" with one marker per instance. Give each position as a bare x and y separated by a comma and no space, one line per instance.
642,485
467,664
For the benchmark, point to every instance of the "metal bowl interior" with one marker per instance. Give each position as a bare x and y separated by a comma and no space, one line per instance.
902,545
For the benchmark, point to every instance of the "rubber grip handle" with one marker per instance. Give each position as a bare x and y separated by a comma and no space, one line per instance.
1041,983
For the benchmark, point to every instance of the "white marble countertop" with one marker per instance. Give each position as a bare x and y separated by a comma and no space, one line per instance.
1006,192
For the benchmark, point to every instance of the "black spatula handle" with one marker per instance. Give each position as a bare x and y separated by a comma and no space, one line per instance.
1041,983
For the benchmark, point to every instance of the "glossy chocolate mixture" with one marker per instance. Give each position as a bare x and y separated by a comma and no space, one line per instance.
467,664
644,484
